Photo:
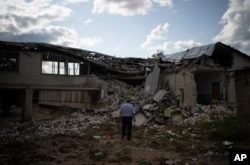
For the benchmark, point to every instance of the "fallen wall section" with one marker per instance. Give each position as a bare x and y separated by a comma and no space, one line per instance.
151,82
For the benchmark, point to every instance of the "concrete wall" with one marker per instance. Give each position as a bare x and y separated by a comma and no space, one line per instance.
151,82
29,74
196,86
239,62
185,81
52,89
230,90
74,99
242,86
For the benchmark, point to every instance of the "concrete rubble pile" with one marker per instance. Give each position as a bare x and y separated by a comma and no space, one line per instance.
71,124
205,113
119,92
154,108
148,108
160,108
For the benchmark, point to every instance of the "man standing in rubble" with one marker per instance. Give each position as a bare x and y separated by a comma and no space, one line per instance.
127,114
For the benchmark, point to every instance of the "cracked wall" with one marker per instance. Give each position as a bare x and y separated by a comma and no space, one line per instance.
182,83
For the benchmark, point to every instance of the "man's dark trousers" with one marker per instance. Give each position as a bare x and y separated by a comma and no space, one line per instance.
126,127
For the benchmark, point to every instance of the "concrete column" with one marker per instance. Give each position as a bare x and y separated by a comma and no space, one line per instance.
103,90
27,105
87,99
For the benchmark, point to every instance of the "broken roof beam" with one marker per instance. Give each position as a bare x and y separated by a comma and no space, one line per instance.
123,65
108,67
159,95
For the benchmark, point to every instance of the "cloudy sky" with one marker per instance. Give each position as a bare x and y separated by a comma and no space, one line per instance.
127,28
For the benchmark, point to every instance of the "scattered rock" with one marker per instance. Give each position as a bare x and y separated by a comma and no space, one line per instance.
99,156
144,162
209,153
204,114
97,137
169,162
75,124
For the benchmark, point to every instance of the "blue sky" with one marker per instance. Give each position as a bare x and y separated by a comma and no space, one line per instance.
127,28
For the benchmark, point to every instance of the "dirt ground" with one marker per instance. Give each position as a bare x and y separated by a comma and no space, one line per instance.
101,143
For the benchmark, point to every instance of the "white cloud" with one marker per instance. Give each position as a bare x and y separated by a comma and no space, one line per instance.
165,3
88,21
170,47
36,11
75,1
179,45
90,41
157,40
34,21
156,34
127,7
236,25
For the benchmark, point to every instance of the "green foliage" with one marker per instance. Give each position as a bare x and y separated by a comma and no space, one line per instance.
158,54
227,129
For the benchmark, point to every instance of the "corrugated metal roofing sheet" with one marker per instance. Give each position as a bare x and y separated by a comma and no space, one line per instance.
190,53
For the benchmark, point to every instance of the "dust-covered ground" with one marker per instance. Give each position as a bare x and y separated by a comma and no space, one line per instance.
77,138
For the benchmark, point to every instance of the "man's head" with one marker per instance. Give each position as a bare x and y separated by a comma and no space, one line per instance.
128,101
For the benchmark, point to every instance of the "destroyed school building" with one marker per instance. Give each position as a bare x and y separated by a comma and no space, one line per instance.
45,74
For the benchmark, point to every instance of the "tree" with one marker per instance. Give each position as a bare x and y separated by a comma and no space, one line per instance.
158,54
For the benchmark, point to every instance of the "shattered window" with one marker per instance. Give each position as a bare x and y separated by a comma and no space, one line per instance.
73,68
50,67
8,61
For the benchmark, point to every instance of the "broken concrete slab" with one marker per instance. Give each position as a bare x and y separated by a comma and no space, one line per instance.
168,112
159,95
147,107
152,81
140,119
149,119
147,114
154,108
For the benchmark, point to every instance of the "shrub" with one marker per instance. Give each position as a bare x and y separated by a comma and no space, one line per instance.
227,129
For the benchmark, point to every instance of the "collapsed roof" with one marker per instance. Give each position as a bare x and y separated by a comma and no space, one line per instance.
195,52
220,52
119,65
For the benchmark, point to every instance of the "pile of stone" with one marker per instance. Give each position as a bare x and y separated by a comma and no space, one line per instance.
119,92
147,107
160,108
205,113
154,108
71,124
166,111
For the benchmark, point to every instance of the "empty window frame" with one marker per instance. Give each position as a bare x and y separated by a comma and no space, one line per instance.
8,61
62,68
59,65
49,67
73,68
